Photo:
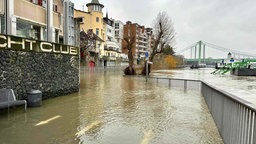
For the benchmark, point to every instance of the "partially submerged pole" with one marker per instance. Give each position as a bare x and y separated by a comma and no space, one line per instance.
146,71
147,62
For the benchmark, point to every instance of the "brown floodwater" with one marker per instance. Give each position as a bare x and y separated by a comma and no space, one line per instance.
112,109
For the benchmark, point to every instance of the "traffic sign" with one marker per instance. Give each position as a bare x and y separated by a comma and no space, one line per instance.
146,54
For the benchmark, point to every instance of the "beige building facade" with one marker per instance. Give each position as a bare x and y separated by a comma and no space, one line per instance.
93,19
38,19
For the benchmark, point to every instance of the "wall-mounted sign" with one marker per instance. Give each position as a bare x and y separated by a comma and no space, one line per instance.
22,44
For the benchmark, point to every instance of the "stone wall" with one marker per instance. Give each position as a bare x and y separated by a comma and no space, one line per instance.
53,74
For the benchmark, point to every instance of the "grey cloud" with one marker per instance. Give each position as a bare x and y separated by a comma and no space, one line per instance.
228,23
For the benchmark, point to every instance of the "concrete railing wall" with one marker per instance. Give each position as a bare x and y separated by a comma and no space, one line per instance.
53,74
234,117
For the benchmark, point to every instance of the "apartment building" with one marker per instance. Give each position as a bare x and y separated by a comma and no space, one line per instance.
93,20
150,38
142,36
119,32
47,20
112,48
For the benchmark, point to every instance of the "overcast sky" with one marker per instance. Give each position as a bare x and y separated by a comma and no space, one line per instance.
227,23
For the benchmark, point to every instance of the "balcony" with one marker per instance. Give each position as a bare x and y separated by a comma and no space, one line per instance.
29,11
142,51
112,58
34,13
142,47
143,36
143,41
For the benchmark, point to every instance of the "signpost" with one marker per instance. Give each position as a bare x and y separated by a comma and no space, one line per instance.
146,54
148,62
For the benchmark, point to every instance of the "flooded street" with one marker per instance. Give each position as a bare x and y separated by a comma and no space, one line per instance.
112,109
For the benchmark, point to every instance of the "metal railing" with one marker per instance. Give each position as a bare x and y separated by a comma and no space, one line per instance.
183,83
102,68
234,117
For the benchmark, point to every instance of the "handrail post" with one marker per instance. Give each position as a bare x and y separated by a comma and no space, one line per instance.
185,84
146,71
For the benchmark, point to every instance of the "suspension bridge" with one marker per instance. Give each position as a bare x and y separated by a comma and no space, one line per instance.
207,53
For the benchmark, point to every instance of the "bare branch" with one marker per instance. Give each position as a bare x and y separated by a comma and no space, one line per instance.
163,31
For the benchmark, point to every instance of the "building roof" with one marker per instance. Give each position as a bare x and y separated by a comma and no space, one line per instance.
95,2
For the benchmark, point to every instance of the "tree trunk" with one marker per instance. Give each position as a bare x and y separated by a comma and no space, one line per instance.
130,57
130,69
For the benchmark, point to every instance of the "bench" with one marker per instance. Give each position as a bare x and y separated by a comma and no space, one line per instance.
8,99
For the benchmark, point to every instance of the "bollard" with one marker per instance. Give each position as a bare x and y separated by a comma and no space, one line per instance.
34,98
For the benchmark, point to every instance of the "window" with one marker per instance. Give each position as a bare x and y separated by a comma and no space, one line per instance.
117,33
97,19
27,30
55,7
40,2
80,20
116,25
44,3
97,31
56,36
33,1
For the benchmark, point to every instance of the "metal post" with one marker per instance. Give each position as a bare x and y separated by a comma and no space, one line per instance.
199,52
191,53
195,52
146,71
204,53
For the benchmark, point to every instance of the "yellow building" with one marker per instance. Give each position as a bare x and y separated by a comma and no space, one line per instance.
93,19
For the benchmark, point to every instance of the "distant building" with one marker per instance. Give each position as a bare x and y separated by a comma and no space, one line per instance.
93,20
47,20
71,24
112,49
119,32
143,39
150,39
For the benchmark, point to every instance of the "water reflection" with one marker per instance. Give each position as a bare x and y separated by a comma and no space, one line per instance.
110,108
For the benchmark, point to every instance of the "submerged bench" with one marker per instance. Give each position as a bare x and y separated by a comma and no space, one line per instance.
8,99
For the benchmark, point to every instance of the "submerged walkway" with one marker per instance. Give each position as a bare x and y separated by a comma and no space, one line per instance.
112,109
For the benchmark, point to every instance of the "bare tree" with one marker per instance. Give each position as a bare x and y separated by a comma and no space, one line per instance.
164,34
129,41
87,43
